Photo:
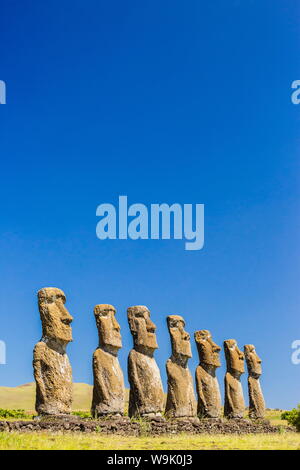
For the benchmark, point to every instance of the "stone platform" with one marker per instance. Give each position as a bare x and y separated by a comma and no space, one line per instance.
154,427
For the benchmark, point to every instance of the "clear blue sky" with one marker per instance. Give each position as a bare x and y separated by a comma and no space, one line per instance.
171,101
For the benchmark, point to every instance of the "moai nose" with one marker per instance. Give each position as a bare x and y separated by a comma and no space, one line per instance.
151,327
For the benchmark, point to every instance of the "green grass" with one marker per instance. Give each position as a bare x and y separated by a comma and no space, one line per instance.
23,397
72,441
275,417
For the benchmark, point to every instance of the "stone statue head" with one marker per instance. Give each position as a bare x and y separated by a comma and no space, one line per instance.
56,320
209,352
108,327
252,360
142,329
234,357
180,339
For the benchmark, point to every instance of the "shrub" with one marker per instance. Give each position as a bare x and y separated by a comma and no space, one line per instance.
292,417
12,413
82,414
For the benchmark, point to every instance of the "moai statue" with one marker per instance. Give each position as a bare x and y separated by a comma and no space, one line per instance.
146,397
52,369
234,406
109,389
207,386
256,398
181,402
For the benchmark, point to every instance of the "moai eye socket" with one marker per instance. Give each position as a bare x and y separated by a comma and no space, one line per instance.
139,315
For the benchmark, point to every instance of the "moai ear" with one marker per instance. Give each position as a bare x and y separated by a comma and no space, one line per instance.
131,322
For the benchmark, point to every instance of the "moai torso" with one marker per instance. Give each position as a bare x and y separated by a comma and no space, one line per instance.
181,402
53,375
52,369
207,386
109,389
146,397
234,405
256,398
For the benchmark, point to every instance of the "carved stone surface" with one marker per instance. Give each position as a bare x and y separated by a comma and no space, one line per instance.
181,402
52,369
146,397
256,399
234,406
207,386
109,389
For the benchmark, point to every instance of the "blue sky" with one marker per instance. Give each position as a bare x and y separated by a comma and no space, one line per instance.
172,101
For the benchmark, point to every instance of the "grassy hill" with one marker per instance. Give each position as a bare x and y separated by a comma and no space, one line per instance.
23,397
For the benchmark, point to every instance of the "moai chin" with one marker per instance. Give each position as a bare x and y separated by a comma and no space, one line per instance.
207,386
52,369
109,389
234,406
256,398
146,397
181,402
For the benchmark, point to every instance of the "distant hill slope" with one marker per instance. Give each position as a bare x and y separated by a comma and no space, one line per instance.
23,397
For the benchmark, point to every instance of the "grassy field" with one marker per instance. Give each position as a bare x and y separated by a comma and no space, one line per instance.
58,441
23,397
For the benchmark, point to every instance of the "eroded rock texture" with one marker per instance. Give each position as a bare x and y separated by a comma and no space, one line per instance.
52,369
256,398
207,386
109,389
146,397
234,406
181,402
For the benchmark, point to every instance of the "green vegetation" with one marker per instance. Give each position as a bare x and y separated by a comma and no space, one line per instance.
82,414
292,417
96,440
18,414
69,441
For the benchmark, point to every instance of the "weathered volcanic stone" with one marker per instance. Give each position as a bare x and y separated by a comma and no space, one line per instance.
146,397
207,386
154,427
109,389
52,369
256,399
181,402
234,406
